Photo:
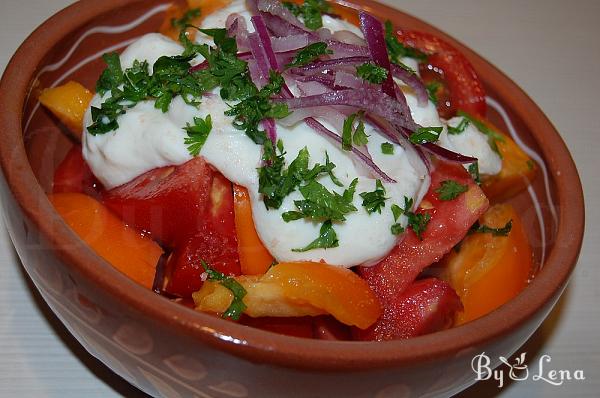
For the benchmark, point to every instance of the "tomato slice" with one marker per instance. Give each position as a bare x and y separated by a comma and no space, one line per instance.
184,268
170,203
426,306
450,221
448,66
215,243
74,175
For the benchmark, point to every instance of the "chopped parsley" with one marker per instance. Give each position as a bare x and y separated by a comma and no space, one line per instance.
484,229
397,211
321,204
326,240
450,190
432,91
397,50
275,182
493,136
425,134
170,77
237,306
311,12
374,201
197,134
308,54
249,112
372,73
462,126
387,148
352,136
474,171
186,19
416,221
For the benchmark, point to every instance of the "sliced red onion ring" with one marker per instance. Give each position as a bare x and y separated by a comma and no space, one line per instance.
348,37
275,8
345,79
373,31
447,154
236,27
331,64
265,39
414,82
281,28
290,43
261,60
319,128
271,129
370,100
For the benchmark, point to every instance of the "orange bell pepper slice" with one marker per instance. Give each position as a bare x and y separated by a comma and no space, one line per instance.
255,259
518,169
298,289
487,270
68,103
126,249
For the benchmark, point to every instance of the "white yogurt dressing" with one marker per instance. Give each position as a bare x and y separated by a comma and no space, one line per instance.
147,139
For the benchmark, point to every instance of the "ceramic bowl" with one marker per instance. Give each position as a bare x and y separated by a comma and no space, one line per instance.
169,350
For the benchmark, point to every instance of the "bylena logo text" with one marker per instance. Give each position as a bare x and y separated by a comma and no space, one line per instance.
519,371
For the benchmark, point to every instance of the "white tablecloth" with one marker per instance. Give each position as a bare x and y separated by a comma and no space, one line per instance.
549,47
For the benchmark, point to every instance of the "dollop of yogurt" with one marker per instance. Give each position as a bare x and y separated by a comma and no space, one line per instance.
147,138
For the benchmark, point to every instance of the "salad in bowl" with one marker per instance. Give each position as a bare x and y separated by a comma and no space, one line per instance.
299,168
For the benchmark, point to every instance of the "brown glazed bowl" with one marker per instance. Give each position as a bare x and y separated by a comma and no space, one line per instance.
169,350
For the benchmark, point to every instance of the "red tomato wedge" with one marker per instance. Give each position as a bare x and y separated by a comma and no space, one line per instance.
215,243
185,264
74,175
170,203
426,306
448,66
450,221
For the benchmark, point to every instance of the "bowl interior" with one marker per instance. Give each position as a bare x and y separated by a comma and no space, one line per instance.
77,56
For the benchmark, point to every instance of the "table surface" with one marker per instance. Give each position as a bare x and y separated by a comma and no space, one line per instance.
551,48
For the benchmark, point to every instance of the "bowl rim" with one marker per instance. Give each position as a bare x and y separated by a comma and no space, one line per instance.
259,345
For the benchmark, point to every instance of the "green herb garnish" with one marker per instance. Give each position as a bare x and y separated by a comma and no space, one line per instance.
320,204
425,134
387,148
484,229
417,222
493,137
311,12
450,190
308,54
432,89
326,240
352,136
462,126
474,171
374,201
249,112
372,73
237,306
197,134
397,50
397,211
186,19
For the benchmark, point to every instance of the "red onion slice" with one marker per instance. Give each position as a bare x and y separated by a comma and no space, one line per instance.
277,9
261,61
370,100
290,43
319,128
265,39
331,64
414,82
373,31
